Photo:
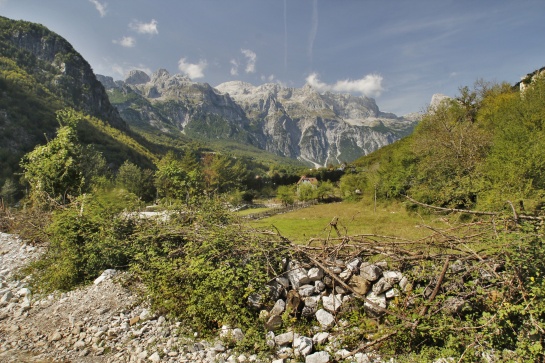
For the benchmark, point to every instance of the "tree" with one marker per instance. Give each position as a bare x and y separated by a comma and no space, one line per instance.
8,192
60,170
285,193
135,180
325,189
306,192
352,185
174,182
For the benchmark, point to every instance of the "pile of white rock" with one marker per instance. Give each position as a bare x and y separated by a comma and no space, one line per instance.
312,293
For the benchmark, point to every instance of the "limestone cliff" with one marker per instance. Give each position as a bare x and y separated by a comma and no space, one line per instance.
299,123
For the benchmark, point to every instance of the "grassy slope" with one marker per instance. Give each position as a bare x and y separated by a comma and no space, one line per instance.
354,218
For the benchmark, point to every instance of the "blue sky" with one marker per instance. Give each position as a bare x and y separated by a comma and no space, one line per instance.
399,52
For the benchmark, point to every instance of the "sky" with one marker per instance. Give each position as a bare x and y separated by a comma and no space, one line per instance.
399,52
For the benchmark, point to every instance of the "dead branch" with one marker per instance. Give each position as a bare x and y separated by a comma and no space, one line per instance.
437,287
370,344
451,209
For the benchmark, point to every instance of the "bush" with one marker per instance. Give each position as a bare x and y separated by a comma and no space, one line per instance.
204,271
199,266
85,238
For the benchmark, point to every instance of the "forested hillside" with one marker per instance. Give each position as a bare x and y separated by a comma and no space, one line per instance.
479,150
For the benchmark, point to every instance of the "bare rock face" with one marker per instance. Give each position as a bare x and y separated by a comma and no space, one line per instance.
299,123
137,77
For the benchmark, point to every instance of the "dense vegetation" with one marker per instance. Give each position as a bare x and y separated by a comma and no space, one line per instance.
476,151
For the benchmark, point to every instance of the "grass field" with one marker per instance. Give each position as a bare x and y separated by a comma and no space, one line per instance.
354,218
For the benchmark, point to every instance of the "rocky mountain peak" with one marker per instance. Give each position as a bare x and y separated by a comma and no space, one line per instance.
298,123
137,77
437,99
236,88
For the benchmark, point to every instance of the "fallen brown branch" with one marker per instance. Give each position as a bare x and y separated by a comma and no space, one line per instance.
452,209
363,347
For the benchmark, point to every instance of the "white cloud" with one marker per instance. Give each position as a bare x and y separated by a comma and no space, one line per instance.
192,70
101,7
251,58
370,85
270,78
234,67
127,42
145,28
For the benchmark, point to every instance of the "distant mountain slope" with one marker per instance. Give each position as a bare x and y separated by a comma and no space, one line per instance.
40,73
298,123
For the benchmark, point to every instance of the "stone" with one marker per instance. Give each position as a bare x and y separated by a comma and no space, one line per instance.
255,301
24,292
284,339
310,305
318,357
293,301
283,281
319,286
274,323
325,318
315,274
345,275
80,344
360,285
56,336
306,290
155,357
382,285
302,346
107,274
370,272
269,339
390,294
6,297
377,300
278,307
332,302
297,275
404,283
394,276
276,291
354,264
320,338
341,354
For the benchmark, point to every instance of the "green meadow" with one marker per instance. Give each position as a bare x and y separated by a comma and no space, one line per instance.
353,218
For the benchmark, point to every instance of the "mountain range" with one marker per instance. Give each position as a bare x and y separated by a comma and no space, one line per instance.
40,73
299,123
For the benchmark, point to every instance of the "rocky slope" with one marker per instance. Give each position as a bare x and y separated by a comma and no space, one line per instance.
40,73
108,322
58,66
298,123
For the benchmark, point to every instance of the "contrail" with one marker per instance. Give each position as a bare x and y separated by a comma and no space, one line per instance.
285,36
313,30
